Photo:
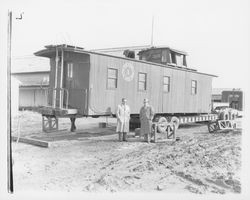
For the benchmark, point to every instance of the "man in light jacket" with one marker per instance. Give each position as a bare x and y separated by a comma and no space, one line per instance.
123,117
146,117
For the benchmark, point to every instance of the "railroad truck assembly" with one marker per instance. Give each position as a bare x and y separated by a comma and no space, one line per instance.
85,83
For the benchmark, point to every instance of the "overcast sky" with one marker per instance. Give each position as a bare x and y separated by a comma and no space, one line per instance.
215,33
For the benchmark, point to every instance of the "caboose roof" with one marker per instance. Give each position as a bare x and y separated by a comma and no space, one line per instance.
50,52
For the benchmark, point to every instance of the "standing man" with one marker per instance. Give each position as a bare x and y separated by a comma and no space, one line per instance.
146,117
123,117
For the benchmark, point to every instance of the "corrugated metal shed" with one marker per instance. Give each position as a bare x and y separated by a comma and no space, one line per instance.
32,74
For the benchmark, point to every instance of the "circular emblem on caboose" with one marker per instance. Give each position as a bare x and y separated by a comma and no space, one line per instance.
128,72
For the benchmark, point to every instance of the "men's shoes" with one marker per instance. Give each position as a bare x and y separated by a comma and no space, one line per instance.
125,137
120,137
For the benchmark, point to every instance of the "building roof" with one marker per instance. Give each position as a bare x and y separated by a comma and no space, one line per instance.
218,91
30,72
30,64
28,79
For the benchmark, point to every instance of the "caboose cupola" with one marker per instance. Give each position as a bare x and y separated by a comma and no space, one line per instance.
164,55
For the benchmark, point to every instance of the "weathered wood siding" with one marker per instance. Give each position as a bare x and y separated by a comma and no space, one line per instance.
178,100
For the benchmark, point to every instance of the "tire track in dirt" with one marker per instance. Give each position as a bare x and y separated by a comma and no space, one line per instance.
142,160
199,163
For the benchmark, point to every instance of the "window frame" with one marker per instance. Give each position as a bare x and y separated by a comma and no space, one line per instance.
164,56
168,84
70,70
145,82
172,58
179,58
112,78
195,88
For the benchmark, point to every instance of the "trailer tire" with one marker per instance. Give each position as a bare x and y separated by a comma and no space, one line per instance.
224,115
233,114
176,122
162,121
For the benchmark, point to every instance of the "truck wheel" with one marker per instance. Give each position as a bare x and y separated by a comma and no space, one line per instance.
175,121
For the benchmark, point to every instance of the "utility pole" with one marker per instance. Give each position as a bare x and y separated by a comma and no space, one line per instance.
152,32
9,146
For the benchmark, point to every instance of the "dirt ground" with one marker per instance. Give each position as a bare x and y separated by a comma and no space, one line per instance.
199,162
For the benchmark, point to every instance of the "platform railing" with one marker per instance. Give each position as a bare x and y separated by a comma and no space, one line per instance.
52,93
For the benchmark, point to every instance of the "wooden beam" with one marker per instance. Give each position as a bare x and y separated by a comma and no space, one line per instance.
32,141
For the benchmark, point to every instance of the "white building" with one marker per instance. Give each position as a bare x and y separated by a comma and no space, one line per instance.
32,75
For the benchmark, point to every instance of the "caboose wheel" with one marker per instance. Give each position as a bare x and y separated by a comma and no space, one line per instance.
212,127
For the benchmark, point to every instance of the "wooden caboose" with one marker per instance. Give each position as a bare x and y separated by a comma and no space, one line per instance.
86,83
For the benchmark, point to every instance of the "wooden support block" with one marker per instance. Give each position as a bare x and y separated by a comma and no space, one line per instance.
31,141
49,124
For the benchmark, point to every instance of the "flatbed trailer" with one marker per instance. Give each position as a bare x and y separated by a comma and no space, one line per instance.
164,128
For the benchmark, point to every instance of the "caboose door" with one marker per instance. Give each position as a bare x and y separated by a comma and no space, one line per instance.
76,76
67,82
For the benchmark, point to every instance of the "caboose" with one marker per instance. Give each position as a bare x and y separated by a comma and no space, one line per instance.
86,83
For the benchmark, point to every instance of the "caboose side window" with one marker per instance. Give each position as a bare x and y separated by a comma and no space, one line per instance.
193,87
166,84
70,70
142,81
112,78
